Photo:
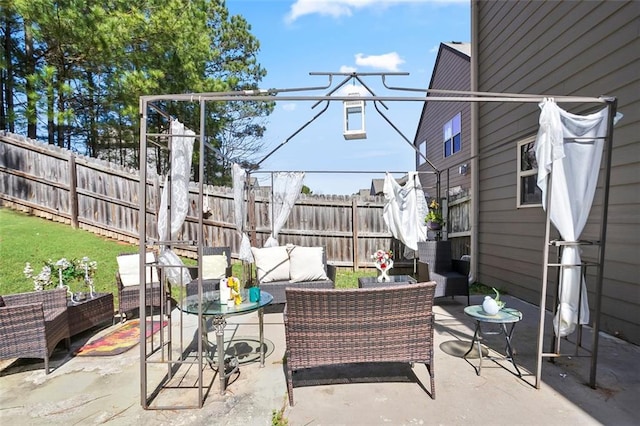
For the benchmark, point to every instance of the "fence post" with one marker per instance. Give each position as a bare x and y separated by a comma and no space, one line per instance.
354,229
73,193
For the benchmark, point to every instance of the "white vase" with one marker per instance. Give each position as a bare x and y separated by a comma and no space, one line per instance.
490,306
225,292
384,272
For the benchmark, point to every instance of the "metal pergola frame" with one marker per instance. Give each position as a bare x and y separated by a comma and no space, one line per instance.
272,95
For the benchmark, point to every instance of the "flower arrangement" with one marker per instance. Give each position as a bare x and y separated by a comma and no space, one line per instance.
434,216
234,285
382,259
63,272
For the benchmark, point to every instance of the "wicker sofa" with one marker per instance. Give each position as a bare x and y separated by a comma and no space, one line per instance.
282,267
381,324
32,324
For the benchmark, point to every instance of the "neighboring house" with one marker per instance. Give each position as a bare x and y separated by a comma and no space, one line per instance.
556,48
443,136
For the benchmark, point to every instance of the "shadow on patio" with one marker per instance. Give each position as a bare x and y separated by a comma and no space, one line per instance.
107,389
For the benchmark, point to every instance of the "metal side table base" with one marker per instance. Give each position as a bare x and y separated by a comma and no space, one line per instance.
502,318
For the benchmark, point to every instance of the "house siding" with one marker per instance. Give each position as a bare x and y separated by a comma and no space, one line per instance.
451,72
559,48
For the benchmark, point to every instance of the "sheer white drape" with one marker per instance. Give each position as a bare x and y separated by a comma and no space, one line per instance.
573,165
286,189
181,154
405,210
240,209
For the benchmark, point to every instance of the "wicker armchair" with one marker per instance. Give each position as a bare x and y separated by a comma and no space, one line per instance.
32,324
381,324
436,264
128,283
209,284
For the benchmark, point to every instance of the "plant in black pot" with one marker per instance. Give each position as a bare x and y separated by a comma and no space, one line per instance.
434,219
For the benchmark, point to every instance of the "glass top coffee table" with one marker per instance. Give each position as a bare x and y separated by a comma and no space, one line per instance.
211,308
368,282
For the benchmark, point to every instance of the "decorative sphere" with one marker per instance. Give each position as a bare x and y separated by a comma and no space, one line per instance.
490,306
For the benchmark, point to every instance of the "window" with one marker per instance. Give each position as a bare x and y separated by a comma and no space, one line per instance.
529,195
422,148
452,135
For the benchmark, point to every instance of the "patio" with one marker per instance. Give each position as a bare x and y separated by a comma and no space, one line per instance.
106,390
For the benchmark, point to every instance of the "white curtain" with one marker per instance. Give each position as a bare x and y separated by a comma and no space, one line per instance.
240,209
181,154
286,189
405,210
574,166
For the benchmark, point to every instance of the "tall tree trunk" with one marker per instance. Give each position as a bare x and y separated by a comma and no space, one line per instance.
7,114
30,70
51,125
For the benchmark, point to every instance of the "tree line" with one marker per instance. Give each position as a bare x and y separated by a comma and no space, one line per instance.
72,72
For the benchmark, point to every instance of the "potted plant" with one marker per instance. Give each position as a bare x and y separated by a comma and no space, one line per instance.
434,219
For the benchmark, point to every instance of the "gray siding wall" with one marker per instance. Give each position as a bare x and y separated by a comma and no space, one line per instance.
451,72
563,48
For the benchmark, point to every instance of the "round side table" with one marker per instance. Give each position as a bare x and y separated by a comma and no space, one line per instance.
505,317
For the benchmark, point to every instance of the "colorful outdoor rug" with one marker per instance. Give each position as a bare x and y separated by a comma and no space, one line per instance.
119,340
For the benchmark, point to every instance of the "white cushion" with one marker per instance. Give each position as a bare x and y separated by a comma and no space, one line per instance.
272,263
306,264
129,269
214,266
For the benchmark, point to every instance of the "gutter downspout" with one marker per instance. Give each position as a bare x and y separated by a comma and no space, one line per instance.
474,143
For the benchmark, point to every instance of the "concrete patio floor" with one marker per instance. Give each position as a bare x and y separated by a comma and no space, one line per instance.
106,390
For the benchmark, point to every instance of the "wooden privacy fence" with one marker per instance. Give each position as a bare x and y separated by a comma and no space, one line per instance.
102,198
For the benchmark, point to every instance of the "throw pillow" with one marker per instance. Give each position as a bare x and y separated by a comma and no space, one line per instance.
272,263
129,267
214,266
306,264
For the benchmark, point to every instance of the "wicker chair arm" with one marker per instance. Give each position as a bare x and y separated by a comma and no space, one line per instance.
16,319
331,272
50,299
460,266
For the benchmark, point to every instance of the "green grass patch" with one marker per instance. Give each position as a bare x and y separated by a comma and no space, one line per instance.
25,238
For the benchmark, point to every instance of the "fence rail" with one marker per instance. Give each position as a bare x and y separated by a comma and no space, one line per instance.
102,198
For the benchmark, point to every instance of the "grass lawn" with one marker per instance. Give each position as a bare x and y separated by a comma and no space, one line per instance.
25,238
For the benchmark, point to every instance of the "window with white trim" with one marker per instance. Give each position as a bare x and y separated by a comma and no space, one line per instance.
422,147
529,195
452,133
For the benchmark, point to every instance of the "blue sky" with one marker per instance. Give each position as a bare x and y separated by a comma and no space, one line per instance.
303,36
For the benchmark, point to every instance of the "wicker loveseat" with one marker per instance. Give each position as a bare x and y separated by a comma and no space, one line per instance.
32,324
290,266
381,324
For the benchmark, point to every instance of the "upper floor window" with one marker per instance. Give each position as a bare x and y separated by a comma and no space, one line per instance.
422,147
529,195
452,135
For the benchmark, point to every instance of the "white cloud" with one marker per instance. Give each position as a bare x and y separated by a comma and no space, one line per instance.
289,106
388,61
332,8
338,8
347,68
434,49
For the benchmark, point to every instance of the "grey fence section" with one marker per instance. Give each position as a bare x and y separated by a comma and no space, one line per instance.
103,198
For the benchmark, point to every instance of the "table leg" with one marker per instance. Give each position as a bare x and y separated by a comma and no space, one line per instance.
509,349
476,339
219,324
261,325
